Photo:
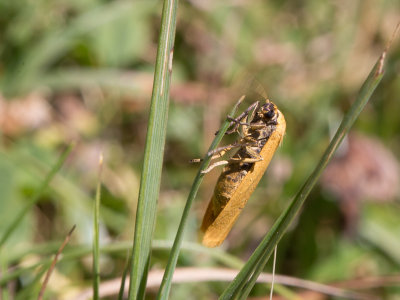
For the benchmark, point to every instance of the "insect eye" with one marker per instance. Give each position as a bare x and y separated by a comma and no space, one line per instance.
269,114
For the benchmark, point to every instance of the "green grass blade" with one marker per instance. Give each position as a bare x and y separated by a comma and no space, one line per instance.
165,287
36,196
257,270
77,252
123,279
110,79
56,42
258,259
220,256
153,156
4,294
96,246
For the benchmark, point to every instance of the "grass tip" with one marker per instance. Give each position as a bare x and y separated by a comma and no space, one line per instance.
381,63
101,158
72,230
394,34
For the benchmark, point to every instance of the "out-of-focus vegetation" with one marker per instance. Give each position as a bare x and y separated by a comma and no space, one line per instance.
83,71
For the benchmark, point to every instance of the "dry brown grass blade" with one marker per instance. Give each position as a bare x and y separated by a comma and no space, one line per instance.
53,264
193,274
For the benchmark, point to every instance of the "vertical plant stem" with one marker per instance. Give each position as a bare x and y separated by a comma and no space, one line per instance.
96,245
153,156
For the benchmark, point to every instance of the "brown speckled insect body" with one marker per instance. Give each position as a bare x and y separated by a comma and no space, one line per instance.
243,171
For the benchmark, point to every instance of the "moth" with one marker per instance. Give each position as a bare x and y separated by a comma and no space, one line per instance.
263,127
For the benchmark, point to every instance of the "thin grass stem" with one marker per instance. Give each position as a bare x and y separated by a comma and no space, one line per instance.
35,198
96,244
53,263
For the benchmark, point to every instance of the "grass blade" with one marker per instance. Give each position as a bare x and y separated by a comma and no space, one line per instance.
36,196
173,257
54,262
258,259
110,79
123,279
57,41
77,252
4,292
96,246
153,156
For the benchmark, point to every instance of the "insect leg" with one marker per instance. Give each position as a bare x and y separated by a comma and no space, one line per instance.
244,114
218,152
235,110
237,121
247,160
254,157
257,126
249,117
218,163
249,140
261,126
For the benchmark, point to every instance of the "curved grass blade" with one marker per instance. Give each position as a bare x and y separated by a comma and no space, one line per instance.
245,280
36,196
165,287
153,156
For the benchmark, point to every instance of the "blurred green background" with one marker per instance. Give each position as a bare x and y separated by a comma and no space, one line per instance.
82,71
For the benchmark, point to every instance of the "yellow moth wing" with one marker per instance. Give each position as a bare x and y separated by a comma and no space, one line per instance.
216,229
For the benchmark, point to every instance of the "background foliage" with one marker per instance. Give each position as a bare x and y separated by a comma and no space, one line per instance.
83,71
